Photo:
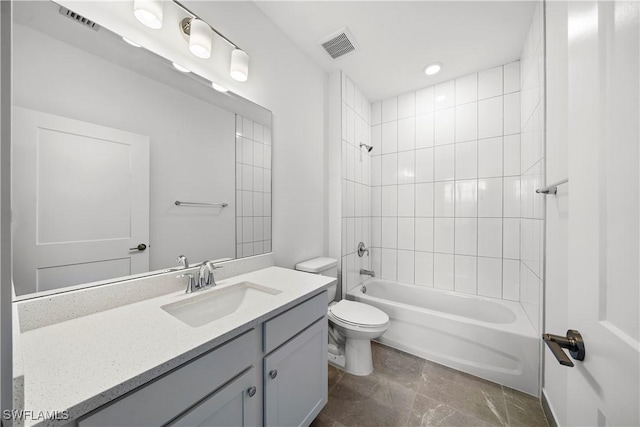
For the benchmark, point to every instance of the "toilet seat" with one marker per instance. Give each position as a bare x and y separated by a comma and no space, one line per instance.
358,314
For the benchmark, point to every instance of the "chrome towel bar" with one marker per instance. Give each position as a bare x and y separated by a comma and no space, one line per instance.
553,188
220,205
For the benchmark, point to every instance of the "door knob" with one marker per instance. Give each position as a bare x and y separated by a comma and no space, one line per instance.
572,342
273,374
141,247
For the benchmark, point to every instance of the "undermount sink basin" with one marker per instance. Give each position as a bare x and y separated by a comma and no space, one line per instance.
215,304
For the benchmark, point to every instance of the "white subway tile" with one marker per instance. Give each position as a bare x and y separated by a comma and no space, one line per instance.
445,95
424,200
376,231
376,113
425,131
389,169
390,137
490,83
511,279
247,151
376,170
512,77
490,158
247,249
512,113
266,210
512,197
465,274
389,263
490,197
466,166
258,230
351,235
424,234
247,231
424,165
247,177
489,118
350,200
390,232
406,234
443,235
444,126
443,271
389,109
406,200
247,205
258,205
390,200
490,277
511,239
247,128
406,266
407,105
376,201
425,101
351,162
258,132
490,237
466,236
406,167
351,89
376,260
466,198
466,122
424,268
407,134
467,89
444,163
351,126
267,228
444,201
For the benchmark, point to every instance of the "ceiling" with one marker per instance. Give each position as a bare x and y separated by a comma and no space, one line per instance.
397,39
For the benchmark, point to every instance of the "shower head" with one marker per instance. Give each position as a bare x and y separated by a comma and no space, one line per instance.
368,147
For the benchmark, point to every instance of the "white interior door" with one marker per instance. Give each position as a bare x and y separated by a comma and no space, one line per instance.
604,212
80,202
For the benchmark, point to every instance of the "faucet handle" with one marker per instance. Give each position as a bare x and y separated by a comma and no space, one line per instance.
191,285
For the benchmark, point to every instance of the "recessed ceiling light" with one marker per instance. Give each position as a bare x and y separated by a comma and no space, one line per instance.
181,68
432,69
219,88
132,43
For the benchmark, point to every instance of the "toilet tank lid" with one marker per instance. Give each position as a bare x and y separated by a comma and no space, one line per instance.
317,265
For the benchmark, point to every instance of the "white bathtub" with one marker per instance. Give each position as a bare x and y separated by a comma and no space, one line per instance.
486,337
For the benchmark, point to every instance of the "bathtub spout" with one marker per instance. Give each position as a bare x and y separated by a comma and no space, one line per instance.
367,272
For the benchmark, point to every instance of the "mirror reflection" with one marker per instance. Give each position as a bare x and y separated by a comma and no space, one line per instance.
107,138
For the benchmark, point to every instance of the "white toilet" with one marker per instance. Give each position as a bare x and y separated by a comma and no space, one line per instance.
352,325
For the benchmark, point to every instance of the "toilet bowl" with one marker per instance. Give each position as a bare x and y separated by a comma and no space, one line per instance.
352,325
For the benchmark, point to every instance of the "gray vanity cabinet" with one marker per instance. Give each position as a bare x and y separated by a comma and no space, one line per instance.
238,403
295,378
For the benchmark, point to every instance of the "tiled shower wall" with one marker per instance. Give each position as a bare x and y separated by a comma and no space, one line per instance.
532,168
445,185
356,178
253,188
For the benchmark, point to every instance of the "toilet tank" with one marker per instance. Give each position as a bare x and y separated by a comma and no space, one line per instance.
323,266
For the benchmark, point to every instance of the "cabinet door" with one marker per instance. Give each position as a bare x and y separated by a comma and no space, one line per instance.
295,377
236,404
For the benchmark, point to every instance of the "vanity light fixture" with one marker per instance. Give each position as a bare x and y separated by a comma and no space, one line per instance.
180,68
219,88
200,38
239,65
149,12
432,69
131,42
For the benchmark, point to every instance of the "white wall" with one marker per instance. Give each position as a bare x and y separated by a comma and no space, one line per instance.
286,82
192,142
532,169
446,185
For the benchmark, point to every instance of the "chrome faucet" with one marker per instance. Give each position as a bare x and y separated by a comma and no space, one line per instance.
182,260
191,283
210,279
367,272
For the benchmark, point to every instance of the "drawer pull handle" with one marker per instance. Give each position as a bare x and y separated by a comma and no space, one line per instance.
273,374
252,391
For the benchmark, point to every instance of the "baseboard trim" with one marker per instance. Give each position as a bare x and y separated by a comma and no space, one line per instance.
551,419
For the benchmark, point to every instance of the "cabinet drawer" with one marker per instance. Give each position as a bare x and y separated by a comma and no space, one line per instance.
163,399
280,329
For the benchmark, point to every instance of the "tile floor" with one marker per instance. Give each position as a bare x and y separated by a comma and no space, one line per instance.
405,390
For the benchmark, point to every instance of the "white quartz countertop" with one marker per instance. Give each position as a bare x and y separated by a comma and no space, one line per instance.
81,364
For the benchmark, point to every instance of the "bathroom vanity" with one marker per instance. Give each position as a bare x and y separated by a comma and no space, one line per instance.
144,364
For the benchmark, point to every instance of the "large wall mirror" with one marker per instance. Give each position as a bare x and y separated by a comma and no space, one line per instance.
120,162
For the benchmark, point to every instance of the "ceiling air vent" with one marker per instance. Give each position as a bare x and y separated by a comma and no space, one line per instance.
339,43
79,18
